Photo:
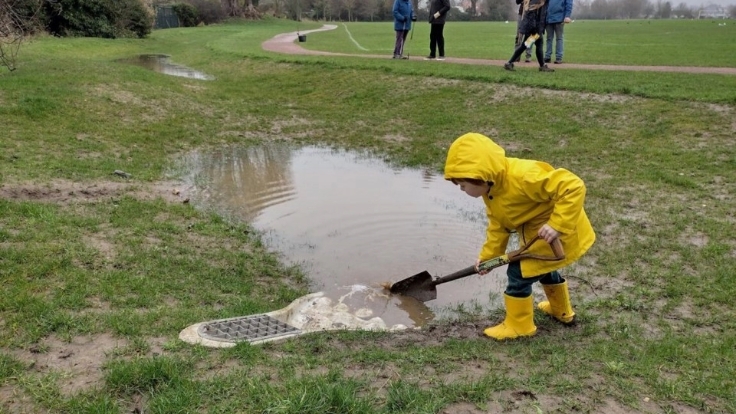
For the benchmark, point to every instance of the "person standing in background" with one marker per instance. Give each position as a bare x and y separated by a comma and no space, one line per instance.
532,26
558,14
438,10
520,36
403,17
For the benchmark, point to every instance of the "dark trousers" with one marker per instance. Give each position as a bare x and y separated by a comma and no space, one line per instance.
437,40
538,46
519,40
521,287
400,40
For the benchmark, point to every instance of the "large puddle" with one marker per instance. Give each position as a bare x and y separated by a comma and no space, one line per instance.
349,219
163,64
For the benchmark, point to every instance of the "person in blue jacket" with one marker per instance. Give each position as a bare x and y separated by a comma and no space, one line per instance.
558,14
403,17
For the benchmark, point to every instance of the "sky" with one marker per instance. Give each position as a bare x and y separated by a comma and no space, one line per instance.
698,3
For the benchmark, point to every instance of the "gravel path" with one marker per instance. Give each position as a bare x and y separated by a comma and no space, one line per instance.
287,43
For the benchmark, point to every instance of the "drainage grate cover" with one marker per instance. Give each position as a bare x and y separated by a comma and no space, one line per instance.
247,328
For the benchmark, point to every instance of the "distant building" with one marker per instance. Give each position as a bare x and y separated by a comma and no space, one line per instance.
712,12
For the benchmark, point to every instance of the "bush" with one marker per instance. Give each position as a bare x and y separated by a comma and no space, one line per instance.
29,14
187,14
209,11
98,18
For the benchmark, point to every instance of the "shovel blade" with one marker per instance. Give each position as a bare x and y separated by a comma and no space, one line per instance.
419,287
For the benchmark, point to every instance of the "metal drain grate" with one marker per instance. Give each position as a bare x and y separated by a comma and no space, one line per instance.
247,328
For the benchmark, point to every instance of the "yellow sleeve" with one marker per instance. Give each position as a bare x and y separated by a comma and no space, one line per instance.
565,189
496,240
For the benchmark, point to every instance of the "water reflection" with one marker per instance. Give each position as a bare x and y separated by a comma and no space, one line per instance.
162,64
349,219
243,182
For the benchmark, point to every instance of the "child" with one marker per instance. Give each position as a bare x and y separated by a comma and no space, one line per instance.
532,23
531,198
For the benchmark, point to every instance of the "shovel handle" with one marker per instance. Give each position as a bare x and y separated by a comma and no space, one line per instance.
556,246
468,271
557,249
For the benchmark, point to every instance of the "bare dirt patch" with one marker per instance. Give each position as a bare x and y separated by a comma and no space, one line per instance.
78,362
67,192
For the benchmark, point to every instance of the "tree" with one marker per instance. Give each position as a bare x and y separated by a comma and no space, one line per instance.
648,10
499,10
602,9
683,11
350,6
98,18
369,9
473,9
240,8
335,8
14,27
632,9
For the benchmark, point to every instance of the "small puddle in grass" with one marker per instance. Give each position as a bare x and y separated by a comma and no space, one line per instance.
163,64
350,219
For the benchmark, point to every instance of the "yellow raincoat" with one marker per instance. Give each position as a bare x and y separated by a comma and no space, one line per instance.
524,196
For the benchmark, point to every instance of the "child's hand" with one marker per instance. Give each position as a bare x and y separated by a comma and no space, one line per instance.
480,272
548,233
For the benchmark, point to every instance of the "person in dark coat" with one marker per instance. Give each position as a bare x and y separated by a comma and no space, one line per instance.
403,17
438,10
520,36
533,23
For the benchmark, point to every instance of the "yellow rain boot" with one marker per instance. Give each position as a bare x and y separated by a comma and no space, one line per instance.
558,304
519,319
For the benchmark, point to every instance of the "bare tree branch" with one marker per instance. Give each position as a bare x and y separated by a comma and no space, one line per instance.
14,28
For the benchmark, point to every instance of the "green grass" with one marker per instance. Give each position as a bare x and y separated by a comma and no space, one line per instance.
612,42
127,269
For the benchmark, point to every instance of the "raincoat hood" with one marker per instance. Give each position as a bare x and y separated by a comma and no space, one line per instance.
475,156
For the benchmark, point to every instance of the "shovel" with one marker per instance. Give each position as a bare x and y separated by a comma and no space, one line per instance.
424,288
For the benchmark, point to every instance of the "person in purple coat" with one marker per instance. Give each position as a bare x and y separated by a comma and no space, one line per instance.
403,17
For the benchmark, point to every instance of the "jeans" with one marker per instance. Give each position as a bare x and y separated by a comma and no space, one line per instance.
555,30
520,287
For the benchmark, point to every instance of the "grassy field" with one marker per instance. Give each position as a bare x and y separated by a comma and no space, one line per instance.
614,42
100,273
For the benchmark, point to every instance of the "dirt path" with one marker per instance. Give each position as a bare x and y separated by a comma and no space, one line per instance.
286,43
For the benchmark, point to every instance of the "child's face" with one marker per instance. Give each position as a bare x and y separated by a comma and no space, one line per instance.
474,190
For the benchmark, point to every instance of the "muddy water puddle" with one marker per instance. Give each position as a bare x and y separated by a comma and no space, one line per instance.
349,219
163,64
